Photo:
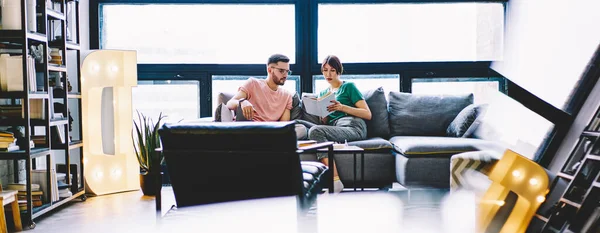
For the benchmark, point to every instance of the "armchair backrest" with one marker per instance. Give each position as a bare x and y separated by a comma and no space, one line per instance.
218,161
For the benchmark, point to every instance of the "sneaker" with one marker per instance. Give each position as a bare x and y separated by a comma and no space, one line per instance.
338,186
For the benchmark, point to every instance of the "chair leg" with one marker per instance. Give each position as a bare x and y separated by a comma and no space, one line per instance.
16,215
2,219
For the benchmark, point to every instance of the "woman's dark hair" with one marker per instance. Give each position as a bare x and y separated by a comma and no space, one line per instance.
334,62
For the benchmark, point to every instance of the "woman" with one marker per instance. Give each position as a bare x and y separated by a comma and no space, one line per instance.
345,122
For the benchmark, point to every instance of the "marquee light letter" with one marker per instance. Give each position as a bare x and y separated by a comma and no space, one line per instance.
110,162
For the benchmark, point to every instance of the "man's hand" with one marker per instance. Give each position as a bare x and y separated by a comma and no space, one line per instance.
247,109
324,120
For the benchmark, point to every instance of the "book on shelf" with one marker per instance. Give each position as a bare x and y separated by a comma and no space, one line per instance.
40,177
22,187
35,194
11,73
11,147
4,133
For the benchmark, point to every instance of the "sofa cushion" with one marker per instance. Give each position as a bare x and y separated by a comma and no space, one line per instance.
373,144
422,146
378,126
424,115
465,118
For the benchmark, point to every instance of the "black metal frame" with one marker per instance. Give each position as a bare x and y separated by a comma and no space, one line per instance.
307,64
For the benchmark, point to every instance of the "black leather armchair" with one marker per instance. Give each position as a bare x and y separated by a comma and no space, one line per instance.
213,162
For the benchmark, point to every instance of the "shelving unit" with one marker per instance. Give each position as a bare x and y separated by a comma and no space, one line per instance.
578,209
53,19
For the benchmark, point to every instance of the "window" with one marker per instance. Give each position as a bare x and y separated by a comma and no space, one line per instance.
454,86
389,82
178,100
411,32
230,84
199,33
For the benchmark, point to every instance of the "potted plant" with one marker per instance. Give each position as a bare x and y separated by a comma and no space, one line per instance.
146,140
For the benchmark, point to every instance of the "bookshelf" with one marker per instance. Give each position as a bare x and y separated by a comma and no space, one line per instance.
578,209
43,99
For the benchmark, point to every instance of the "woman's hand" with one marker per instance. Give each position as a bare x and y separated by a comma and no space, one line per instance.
335,106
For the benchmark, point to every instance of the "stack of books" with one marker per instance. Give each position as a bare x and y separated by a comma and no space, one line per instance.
8,142
36,195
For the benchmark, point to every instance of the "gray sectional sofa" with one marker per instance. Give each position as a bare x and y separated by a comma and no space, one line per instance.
410,138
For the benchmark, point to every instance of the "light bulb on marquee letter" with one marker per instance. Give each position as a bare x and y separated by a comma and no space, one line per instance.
107,120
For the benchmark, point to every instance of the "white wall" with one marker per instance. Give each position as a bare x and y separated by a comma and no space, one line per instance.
548,43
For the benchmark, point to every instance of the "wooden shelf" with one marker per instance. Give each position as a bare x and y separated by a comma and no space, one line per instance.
72,145
59,121
21,95
540,217
17,35
571,203
55,14
593,157
74,96
21,154
73,46
566,176
38,211
56,68
39,95
37,37
21,122
591,133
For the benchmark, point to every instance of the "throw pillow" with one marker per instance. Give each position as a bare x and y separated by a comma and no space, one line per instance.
296,112
481,110
222,99
379,125
424,115
463,121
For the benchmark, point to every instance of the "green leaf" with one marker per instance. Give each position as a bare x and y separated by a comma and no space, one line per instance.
146,140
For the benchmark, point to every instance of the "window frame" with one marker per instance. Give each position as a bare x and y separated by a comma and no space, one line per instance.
307,65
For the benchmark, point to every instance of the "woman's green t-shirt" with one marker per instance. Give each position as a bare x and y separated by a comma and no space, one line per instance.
348,95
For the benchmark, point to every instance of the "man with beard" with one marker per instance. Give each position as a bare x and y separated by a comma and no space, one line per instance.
263,99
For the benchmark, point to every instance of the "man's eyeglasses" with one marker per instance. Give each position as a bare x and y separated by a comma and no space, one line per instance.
282,71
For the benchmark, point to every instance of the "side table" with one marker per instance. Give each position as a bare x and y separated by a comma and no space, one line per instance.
346,150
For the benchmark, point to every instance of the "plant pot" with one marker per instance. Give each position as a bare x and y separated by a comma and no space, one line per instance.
149,184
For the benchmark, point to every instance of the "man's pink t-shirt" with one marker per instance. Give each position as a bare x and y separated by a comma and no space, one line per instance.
268,104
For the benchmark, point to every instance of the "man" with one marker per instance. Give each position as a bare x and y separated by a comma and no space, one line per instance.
263,99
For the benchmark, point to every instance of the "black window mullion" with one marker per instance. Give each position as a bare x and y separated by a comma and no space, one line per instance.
306,23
